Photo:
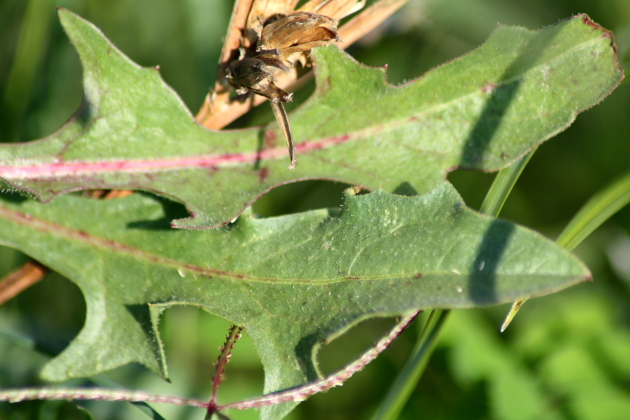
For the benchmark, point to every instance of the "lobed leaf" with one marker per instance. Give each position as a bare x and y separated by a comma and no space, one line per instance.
292,282
482,111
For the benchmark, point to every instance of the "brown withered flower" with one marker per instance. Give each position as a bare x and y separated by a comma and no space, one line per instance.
298,32
255,75
282,40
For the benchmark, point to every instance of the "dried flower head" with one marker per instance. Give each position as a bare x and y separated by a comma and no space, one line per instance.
255,75
283,39
298,32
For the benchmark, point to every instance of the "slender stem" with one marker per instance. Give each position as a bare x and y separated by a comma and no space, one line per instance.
492,205
226,353
401,390
25,394
20,279
406,382
301,393
502,186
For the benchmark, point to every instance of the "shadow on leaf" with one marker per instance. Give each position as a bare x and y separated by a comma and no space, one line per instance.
482,282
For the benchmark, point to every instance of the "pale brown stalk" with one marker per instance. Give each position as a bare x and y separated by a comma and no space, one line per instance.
333,8
21,279
368,20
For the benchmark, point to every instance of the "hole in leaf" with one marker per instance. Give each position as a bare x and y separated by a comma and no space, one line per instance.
300,197
359,396
472,185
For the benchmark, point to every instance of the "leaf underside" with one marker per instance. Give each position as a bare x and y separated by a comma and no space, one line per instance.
291,282
482,111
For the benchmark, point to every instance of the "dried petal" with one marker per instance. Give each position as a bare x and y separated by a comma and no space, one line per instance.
336,9
288,31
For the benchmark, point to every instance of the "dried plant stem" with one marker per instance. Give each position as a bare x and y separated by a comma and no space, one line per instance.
218,111
112,194
338,9
368,20
21,279
226,353
301,393
25,394
237,22
107,194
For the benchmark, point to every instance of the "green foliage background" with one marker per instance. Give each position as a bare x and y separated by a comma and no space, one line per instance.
566,356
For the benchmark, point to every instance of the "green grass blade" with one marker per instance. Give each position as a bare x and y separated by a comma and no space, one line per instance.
406,382
27,63
502,186
595,212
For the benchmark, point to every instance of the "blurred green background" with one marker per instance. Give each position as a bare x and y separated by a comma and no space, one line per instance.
566,356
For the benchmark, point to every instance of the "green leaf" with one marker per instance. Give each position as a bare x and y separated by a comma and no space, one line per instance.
293,282
599,208
85,412
482,111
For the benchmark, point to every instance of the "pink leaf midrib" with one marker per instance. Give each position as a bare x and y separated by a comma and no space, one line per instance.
75,168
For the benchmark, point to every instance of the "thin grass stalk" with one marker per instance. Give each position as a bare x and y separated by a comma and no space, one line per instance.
596,211
409,377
